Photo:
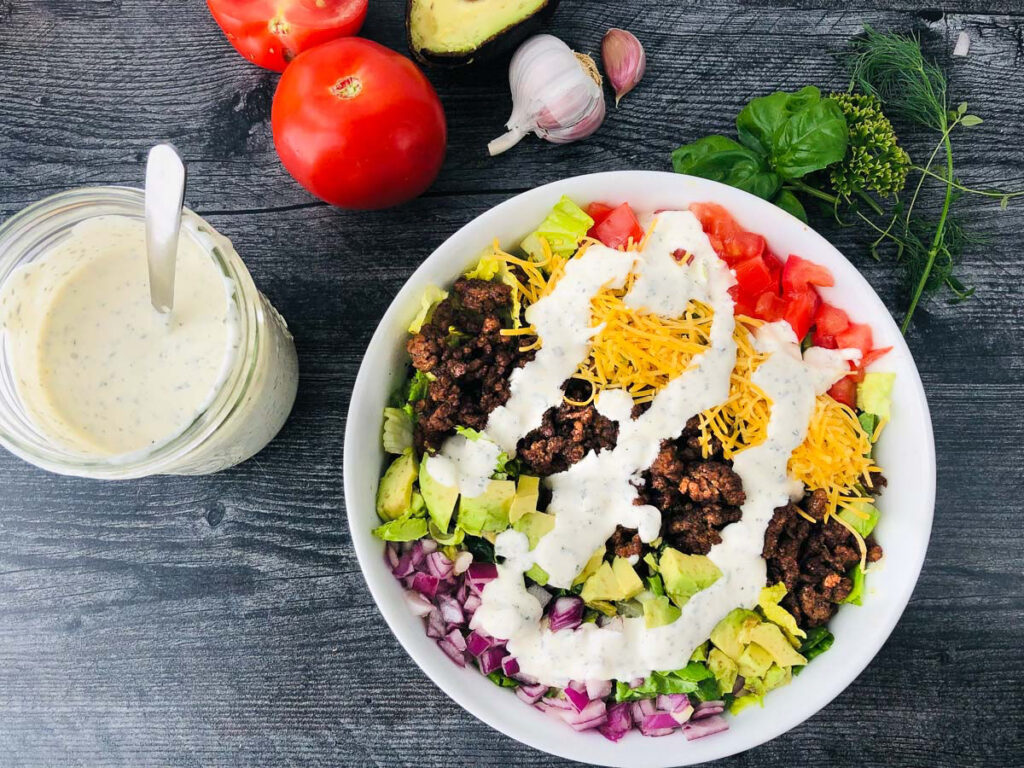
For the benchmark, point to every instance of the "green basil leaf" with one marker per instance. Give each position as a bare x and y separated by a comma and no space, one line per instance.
721,159
810,140
761,121
789,202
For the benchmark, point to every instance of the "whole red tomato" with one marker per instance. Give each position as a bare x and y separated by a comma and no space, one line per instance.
271,33
358,125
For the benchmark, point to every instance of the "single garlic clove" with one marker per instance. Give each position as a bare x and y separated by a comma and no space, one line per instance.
625,61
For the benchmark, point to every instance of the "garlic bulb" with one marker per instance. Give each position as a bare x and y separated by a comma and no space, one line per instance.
556,94
624,60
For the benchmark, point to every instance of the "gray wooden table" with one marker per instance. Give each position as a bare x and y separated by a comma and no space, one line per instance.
224,620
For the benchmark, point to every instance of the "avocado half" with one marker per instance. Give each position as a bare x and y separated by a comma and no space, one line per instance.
453,33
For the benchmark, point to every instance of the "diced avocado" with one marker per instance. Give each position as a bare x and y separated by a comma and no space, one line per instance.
742,702
658,610
777,676
534,525
439,498
857,593
538,574
591,567
629,583
686,575
652,562
754,661
874,394
861,515
394,494
527,493
768,602
724,669
700,653
603,606
489,510
770,638
458,32
452,539
563,229
612,582
726,634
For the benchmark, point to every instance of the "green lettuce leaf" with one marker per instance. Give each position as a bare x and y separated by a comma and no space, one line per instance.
432,296
397,430
563,228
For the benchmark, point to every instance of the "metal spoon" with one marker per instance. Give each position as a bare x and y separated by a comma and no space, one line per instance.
165,194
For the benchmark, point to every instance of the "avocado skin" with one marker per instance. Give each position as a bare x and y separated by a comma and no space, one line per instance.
501,44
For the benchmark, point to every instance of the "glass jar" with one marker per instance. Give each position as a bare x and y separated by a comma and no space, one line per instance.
252,399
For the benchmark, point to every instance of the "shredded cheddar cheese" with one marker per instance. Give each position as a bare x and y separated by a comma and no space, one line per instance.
640,353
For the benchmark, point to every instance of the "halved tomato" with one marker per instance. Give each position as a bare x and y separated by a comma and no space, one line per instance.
617,227
271,33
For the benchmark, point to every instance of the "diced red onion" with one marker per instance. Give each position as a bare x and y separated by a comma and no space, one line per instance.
425,584
452,652
462,593
670,702
540,594
456,639
701,714
525,679
391,556
417,554
451,611
417,603
683,714
599,689
577,685
636,682
477,642
435,625
490,660
471,603
566,613
710,705
701,728
531,694
591,716
641,709
462,561
439,565
619,722
556,703
479,574
578,699
510,666
657,722
428,546
404,567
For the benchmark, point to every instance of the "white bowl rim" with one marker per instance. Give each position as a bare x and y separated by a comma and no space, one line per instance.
832,676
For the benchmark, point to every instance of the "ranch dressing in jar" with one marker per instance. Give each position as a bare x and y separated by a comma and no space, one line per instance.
106,386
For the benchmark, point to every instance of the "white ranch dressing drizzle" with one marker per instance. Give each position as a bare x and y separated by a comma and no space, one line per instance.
464,464
626,650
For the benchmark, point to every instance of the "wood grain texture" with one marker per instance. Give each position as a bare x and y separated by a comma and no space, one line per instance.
224,621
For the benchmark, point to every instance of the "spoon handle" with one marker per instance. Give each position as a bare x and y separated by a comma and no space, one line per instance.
165,194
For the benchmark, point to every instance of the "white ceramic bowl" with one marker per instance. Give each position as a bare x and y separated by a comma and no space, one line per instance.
906,451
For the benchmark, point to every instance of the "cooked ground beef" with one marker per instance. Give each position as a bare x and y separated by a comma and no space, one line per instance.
463,348
697,497
566,434
812,560
625,542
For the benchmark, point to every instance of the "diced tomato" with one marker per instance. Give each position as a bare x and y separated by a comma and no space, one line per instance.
798,274
599,211
856,336
820,339
753,276
770,307
856,372
730,241
617,227
845,391
831,320
742,303
800,309
775,267
873,355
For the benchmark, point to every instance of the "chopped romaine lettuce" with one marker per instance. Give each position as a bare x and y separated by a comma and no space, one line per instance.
861,516
397,430
432,296
857,593
874,394
406,528
563,229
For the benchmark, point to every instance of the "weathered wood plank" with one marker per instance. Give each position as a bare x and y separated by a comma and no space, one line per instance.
224,620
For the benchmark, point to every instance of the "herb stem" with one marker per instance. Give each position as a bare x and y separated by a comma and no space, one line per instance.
970,190
937,240
807,189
